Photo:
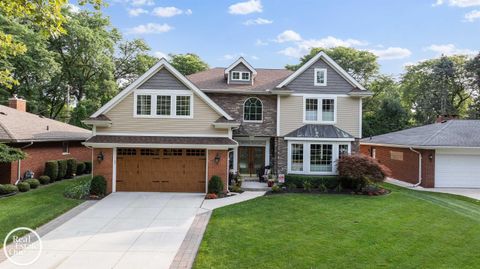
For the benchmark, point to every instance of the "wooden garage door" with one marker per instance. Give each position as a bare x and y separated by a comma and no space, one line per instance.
167,170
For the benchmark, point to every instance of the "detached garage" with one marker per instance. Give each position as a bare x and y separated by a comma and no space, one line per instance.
443,154
160,163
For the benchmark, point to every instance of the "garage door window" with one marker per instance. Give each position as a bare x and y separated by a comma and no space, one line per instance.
172,152
126,152
195,152
150,152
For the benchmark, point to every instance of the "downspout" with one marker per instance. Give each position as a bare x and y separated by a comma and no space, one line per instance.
20,164
419,167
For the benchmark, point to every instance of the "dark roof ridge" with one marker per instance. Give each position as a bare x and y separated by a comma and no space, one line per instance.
448,123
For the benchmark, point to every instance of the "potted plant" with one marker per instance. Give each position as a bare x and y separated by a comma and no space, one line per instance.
271,180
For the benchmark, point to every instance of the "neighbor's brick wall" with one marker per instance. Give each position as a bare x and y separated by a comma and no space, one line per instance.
39,153
105,167
406,170
220,169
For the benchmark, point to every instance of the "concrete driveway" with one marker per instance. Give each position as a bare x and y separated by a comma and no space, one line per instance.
124,230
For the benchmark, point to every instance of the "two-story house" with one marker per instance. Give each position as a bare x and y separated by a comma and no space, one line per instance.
168,132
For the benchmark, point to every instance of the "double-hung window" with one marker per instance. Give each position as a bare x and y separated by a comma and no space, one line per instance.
315,157
149,103
320,77
240,76
321,157
319,110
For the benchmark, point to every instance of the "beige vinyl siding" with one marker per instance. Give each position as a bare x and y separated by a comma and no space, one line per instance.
201,123
291,114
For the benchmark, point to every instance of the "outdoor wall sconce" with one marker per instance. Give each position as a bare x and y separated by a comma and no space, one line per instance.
217,158
100,157
430,156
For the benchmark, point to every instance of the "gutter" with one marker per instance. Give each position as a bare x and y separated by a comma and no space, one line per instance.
419,167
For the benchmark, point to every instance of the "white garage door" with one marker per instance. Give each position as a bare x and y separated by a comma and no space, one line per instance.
457,170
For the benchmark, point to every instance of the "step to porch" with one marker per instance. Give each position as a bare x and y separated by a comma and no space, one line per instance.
255,186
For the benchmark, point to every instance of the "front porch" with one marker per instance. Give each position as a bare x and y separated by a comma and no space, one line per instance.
252,155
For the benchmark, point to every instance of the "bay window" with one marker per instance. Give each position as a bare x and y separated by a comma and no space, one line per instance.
315,157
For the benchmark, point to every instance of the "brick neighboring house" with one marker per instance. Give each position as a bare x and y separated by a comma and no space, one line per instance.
41,138
169,132
443,154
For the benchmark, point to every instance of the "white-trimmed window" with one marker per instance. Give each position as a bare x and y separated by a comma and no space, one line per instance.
164,104
240,76
320,77
253,110
297,157
168,104
65,148
320,110
144,104
315,157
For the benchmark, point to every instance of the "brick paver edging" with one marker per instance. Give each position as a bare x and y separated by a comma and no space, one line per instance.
188,250
55,223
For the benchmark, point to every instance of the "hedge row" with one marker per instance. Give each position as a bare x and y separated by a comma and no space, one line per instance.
58,170
331,182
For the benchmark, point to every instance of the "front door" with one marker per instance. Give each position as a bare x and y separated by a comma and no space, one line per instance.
250,159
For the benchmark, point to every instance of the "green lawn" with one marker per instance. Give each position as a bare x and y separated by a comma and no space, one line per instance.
36,207
406,229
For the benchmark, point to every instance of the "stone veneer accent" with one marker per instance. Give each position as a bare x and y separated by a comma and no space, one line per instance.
233,105
281,157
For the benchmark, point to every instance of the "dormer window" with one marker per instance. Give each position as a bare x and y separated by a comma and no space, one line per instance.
240,76
320,77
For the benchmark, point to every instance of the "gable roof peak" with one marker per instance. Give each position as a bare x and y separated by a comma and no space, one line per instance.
331,63
244,62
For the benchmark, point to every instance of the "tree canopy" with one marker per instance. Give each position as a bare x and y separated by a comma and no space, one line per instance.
188,63
9,154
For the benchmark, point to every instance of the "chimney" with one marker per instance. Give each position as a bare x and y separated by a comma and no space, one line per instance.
445,118
17,103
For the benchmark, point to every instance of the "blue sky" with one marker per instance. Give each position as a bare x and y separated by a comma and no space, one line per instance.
272,33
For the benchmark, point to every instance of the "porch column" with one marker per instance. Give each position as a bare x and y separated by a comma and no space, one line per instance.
235,159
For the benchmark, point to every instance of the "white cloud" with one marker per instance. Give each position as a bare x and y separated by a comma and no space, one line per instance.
188,12
142,2
228,57
73,8
448,49
472,15
391,53
254,57
260,42
166,12
150,28
287,36
458,3
303,46
247,7
137,11
160,54
257,21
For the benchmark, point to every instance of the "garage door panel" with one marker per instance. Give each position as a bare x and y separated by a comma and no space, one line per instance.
161,170
455,170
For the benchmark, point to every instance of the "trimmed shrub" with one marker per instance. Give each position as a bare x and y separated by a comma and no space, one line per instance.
98,186
8,188
81,190
356,171
71,168
33,182
23,186
88,167
315,181
44,179
215,185
276,188
62,169
80,168
51,170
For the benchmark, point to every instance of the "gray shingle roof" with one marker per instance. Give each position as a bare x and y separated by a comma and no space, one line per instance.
214,79
19,126
319,131
453,133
